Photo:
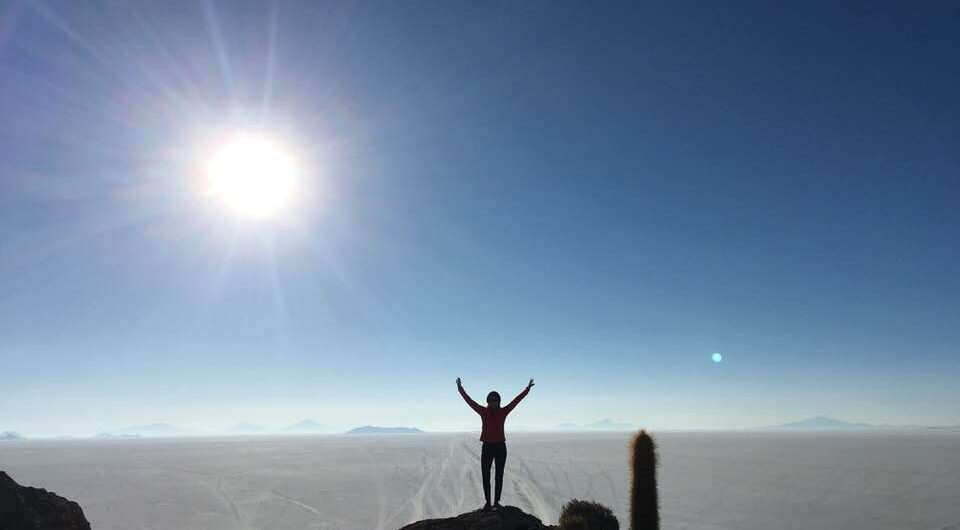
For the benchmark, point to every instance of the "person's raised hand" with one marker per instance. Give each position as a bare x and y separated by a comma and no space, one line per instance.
458,383
530,384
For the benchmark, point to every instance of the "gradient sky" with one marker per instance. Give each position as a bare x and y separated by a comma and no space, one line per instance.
599,196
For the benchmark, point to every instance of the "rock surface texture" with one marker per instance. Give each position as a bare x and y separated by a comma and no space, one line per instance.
506,518
26,508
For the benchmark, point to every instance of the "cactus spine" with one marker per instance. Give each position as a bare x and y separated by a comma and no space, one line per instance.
644,508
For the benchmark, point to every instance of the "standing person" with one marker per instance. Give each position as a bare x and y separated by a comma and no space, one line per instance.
494,441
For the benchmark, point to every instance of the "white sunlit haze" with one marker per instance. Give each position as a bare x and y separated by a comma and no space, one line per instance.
252,176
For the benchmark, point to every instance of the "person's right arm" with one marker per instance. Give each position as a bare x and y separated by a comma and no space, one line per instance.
466,397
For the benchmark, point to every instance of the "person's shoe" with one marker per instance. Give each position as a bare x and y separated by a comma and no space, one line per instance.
496,506
486,507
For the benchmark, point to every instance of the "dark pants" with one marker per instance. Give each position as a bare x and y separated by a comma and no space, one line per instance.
493,452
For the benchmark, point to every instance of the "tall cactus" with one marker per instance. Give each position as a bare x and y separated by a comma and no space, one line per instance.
644,508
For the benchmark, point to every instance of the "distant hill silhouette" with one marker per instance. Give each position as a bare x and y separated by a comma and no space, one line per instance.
825,423
822,423
605,424
10,435
107,435
944,427
305,426
372,429
153,429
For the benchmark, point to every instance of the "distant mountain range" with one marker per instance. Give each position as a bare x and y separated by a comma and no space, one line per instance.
305,426
107,435
821,423
372,429
605,424
824,423
315,427
153,430
156,430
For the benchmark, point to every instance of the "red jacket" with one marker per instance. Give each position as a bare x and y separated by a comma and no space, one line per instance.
493,418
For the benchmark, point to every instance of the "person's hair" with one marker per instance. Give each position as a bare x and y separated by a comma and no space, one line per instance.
493,396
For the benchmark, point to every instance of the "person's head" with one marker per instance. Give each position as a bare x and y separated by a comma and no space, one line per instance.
493,399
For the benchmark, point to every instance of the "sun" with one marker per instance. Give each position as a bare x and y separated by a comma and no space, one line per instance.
252,176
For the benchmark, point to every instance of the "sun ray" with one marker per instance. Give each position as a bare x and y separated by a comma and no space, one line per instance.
216,38
267,97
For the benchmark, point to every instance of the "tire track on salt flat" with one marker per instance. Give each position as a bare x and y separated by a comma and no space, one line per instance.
418,502
323,518
233,505
449,487
530,488
606,475
419,498
378,479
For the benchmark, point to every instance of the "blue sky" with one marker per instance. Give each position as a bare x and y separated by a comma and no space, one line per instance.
597,196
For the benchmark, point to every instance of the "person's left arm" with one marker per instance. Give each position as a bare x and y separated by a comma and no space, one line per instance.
519,397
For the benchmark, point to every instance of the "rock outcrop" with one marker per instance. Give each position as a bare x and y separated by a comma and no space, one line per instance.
26,508
506,518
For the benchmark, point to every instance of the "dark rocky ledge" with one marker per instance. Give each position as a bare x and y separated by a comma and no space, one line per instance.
26,508
506,518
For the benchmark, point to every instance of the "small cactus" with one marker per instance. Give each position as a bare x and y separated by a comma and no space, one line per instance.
644,508
587,515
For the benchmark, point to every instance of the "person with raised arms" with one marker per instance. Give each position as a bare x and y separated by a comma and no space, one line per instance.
494,441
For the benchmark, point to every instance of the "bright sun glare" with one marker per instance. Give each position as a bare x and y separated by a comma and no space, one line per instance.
252,176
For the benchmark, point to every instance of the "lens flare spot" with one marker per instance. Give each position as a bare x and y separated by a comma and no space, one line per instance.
717,357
